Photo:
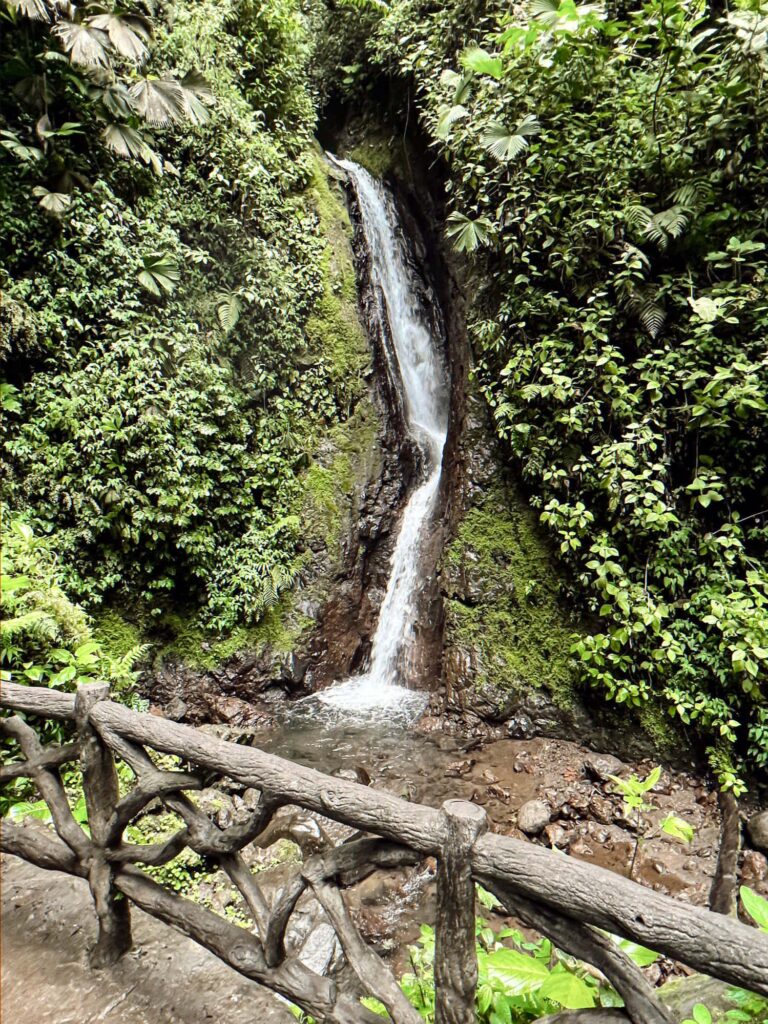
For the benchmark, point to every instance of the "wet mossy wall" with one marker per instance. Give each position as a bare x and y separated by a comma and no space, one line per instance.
503,601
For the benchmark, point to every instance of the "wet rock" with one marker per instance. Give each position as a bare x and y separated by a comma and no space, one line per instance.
533,816
556,835
579,847
602,766
175,709
598,832
754,867
499,793
757,828
602,810
521,727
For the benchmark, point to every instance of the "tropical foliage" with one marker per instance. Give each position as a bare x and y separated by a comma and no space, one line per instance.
161,258
605,173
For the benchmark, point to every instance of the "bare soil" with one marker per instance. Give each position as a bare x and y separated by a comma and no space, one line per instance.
48,927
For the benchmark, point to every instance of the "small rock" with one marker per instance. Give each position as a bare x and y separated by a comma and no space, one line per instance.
754,867
601,809
579,847
175,709
533,816
521,727
757,827
458,768
499,793
602,766
556,835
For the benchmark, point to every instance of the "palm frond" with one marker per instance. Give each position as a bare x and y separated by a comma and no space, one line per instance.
504,145
160,274
128,34
35,10
447,117
467,234
159,101
228,309
83,44
54,203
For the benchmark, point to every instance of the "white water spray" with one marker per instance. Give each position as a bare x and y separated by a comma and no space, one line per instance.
425,401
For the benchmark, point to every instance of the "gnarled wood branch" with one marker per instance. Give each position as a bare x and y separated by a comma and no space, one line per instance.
594,948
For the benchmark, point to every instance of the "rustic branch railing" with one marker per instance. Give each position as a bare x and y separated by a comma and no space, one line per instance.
572,903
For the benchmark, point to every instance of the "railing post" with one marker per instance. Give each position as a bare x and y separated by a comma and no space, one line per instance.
101,790
455,953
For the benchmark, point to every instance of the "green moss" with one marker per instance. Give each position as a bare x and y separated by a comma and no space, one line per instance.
190,642
333,331
378,153
504,600
337,473
660,729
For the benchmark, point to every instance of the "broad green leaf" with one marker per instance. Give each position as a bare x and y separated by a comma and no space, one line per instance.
640,955
160,275
481,62
467,234
756,906
504,144
569,990
54,203
678,828
519,972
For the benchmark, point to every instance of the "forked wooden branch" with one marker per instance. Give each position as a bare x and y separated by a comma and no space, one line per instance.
561,897
593,947
102,792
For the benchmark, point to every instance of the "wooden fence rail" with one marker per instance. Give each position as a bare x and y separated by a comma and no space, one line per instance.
572,903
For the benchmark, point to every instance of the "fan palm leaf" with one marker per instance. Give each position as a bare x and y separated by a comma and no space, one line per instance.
128,34
83,44
504,145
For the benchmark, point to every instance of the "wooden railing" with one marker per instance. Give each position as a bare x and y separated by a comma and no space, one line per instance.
572,903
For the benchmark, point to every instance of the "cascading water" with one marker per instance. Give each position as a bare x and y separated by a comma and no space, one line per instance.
417,365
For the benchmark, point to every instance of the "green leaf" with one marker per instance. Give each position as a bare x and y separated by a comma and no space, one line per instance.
228,310
569,990
504,145
678,828
160,275
640,955
701,1014
481,62
756,906
520,973
467,234
54,203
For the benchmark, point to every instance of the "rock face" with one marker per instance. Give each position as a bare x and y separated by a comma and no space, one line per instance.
533,817
757,829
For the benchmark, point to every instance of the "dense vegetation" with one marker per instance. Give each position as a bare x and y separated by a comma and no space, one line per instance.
163,299
606,172
164,386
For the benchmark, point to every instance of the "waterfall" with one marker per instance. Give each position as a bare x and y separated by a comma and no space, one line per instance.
417,365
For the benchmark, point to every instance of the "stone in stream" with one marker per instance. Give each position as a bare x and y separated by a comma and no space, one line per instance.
602,766
757,827
533,816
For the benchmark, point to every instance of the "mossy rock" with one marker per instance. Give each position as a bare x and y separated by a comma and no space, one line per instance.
379,152
503,600
333,331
